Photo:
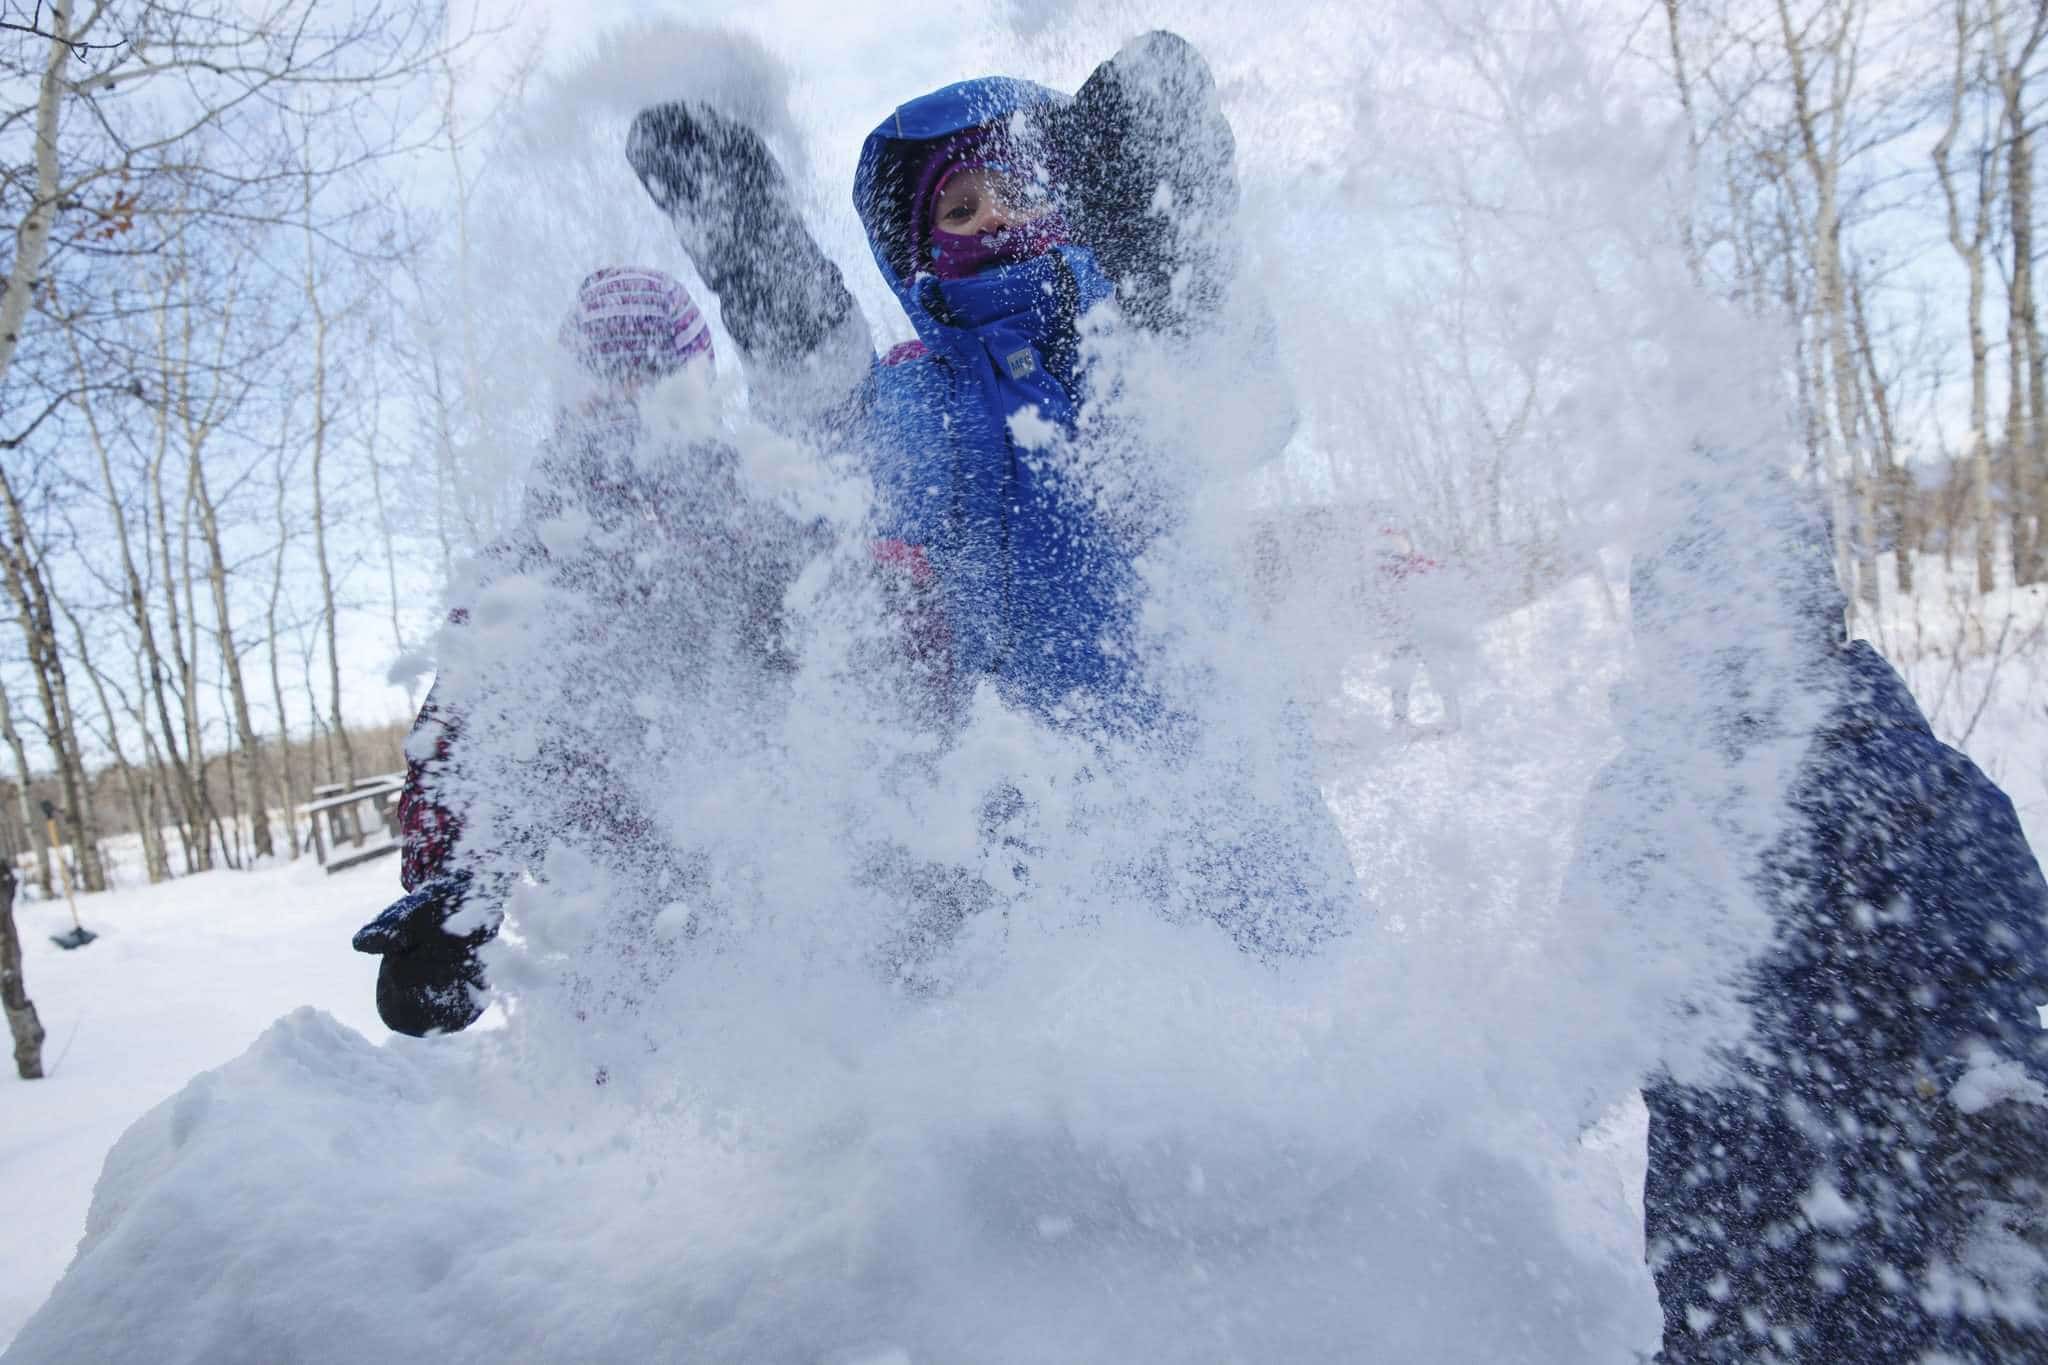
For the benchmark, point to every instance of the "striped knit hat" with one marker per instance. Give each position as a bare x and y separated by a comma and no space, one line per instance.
631,323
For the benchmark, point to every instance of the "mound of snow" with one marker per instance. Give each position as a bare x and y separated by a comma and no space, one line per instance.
183,977
323,1199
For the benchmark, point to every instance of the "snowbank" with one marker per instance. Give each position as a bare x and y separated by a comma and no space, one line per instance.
182,977
322,1199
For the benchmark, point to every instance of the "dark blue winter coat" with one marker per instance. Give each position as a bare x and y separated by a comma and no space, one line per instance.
1827,1203
1038,594
1831,1195
1831,1198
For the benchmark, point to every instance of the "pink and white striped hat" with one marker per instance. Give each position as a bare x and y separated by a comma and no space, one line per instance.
631,323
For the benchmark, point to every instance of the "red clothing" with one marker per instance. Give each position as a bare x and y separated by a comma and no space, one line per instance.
429,830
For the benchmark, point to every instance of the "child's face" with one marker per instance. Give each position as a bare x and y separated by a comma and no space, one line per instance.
981,200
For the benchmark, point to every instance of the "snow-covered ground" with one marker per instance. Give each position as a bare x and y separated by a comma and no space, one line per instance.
1458,833
181,979
187,975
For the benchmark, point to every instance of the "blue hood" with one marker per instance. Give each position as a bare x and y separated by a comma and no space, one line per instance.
896,152
1039,593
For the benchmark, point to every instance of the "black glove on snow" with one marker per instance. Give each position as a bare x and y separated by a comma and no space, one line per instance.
1148,121
780,295
430,980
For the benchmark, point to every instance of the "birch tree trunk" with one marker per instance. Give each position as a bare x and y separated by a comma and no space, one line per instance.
318,314
231,661
2022,334
192,770
156,867
1822,130
137,601
284,731
156,768
230,843
1688,232
1894,481
33,827
2020,493
390,553
1969,242
22,1022
2020,195
32,237
26,585
189,666
198,421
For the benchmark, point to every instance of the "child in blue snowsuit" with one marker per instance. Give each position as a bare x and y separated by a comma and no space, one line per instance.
1037,596
999,212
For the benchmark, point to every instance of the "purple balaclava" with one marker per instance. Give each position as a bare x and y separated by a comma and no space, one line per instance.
952,256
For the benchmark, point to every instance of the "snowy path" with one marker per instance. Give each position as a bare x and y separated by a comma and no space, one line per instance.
183,978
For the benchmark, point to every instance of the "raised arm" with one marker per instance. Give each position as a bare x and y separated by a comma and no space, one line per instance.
1152,161
782,298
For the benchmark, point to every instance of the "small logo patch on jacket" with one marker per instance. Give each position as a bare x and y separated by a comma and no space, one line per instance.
1022,363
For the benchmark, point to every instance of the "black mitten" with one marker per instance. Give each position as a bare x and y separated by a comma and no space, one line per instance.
780,295
430,980
1151,166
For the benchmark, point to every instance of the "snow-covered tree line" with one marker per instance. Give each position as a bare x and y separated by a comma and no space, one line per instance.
1856,174
206,402
1862,171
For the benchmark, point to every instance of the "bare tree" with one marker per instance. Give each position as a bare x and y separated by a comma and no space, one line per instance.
316,311
22,1022
193,666
136,598
122,94
2012,57
192,792
283,466
28,586
22,780
156,865
1822,53
384,532
200,416
1969,237
1876,391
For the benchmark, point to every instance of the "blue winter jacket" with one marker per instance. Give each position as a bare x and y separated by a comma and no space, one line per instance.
1037,594
1819,1206
1815,1206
